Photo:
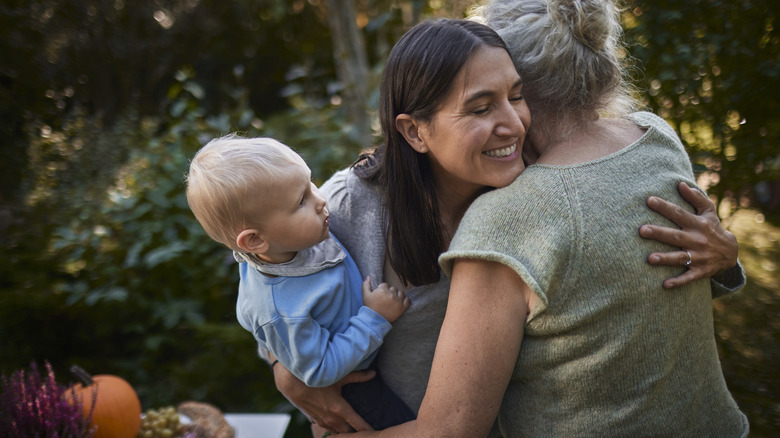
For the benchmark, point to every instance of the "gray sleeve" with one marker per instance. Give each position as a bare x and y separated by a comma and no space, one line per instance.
728,282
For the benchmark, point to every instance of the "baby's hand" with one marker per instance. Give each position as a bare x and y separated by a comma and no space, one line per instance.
385,300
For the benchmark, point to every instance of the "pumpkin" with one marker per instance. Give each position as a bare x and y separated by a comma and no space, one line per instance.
116,412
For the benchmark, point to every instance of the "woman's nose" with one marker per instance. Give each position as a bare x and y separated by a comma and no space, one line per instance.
511,122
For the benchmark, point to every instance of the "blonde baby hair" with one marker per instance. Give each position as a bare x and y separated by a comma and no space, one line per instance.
228,171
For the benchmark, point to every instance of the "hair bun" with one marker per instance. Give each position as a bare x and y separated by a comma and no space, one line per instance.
589,21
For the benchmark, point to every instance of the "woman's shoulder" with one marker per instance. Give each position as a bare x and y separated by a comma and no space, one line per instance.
336,184
356,219
536,202
646,119
344,188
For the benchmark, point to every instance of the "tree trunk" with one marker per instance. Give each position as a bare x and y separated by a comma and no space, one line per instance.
352,67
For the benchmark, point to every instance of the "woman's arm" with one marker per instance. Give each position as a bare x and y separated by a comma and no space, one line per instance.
713,250
475,355
323,406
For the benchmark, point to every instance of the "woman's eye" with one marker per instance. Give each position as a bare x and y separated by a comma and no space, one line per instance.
480,111
517,98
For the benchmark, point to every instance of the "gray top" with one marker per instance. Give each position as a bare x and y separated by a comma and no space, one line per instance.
606,351
357,219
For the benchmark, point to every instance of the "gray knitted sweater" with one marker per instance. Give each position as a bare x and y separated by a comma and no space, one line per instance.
607,351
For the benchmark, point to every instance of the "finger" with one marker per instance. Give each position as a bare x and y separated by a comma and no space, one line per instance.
367,285
336,425
673,212
696,198
669,236
681,280
357,422
318,431
673,258
344,419
334,421
342,427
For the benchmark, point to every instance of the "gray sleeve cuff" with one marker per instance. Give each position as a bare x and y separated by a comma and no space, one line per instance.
728,282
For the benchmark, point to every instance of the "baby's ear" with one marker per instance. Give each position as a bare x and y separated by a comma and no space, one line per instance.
251,241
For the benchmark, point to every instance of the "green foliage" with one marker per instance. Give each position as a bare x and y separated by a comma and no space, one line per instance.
315,125
712,69
746,330
107,59
103,103
109,268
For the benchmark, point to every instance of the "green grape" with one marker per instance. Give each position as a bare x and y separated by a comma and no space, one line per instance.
161,423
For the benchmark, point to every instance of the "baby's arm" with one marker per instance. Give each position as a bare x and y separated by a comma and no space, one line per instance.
385,300
319,357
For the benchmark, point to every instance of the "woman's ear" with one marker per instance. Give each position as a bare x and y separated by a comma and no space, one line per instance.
410,129
251,241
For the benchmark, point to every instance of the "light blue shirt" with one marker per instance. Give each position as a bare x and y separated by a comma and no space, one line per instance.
311,315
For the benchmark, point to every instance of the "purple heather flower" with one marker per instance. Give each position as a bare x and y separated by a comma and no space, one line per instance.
36,407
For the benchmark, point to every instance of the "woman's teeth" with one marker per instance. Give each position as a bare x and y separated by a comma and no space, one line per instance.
503,152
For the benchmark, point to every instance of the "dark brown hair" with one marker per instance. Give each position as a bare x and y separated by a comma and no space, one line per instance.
418,76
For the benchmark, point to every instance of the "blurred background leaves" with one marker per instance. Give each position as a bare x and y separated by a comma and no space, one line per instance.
103,102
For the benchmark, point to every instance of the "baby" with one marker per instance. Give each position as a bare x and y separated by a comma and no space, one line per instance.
300,294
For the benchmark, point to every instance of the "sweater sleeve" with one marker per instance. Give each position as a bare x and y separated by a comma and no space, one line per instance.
728,282
308,351
501,227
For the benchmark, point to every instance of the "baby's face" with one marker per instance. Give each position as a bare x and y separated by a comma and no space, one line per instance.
297,215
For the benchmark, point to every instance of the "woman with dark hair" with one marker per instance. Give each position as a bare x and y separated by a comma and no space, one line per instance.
409,177
455,121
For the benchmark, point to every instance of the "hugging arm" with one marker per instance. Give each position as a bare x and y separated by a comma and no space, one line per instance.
323,406
475,355
713,250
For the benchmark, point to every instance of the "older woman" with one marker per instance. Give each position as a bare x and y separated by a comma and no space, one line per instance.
455,119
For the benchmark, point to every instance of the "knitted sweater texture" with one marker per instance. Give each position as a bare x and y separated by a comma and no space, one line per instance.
607,351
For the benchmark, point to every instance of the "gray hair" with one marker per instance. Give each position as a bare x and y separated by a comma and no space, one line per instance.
567,53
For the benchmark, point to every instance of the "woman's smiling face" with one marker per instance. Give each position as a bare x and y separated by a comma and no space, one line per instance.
476,137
